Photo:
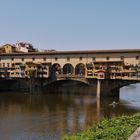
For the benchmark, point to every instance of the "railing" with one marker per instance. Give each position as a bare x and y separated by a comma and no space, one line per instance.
69,76
125,70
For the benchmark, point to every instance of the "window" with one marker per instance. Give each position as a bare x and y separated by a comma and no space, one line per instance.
80,58
56,58
22,59
12,59
137,57
93,58
68,59
44,58
107,58
3,64
122,57
8,65
13,65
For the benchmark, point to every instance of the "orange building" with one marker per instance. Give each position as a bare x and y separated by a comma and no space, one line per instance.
8,48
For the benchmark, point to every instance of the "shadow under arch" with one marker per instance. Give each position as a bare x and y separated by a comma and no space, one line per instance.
115,88
67,86
80,69
68,68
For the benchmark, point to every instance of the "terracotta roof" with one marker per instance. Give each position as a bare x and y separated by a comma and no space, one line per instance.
107,61
9,45
75,52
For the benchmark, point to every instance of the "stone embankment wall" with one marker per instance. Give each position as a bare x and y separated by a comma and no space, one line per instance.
13,85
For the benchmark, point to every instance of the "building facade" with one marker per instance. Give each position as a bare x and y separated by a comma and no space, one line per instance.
88,63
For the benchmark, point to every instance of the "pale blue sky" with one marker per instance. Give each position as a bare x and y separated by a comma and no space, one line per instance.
71,24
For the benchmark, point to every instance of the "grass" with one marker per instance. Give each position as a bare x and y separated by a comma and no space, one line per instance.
119,128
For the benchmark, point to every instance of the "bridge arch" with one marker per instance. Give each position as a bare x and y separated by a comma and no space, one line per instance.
56,68
80,69
67,86
111,87
68,68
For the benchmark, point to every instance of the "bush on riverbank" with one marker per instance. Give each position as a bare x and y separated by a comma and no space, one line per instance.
119,128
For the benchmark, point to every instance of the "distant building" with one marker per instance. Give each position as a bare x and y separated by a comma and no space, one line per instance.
17,48
2,50
24,47
21,48
8,48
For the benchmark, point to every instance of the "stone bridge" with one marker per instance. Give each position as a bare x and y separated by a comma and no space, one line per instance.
100,87
104,71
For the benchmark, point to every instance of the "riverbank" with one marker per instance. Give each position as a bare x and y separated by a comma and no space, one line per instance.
119,128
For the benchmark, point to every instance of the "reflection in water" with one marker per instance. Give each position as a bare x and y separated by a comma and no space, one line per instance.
41,117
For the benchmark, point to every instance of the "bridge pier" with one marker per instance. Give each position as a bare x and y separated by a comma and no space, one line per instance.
36,86
31,85
98,108
107,88
98,88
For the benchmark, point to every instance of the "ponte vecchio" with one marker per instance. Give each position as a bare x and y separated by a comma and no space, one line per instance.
104,70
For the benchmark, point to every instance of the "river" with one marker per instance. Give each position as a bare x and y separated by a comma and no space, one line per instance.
50,116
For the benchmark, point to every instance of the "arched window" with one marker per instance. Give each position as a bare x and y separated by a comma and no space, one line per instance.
68,69
80,69
56,68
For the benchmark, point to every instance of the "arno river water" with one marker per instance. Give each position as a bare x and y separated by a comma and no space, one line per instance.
49,117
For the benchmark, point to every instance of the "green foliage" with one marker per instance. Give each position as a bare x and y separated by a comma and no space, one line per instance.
119,128
32,72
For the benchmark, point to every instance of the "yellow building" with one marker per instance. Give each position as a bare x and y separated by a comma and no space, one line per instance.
8,48
31,69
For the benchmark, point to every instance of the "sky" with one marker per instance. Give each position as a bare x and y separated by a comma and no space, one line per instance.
71,24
